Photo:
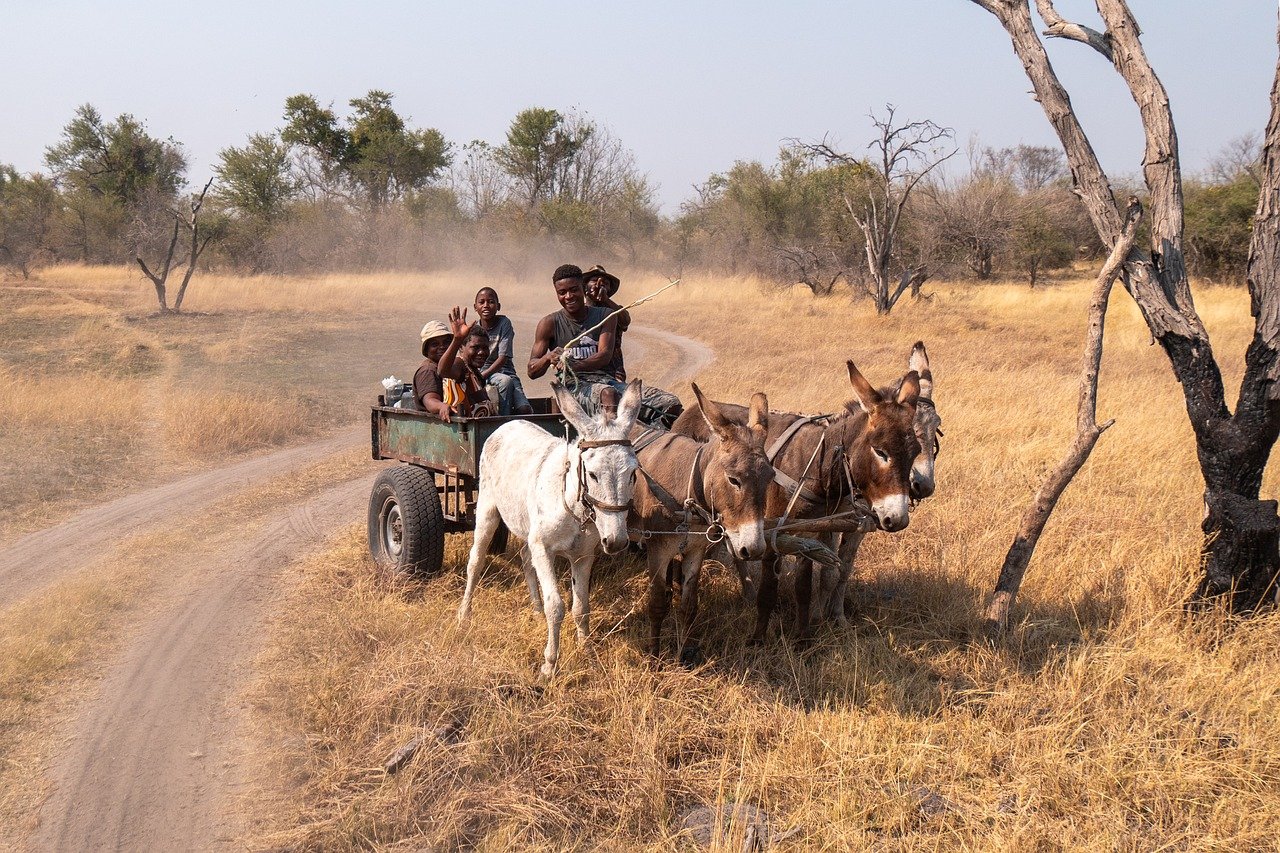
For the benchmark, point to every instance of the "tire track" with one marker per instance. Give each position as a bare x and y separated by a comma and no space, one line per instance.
41,558
156,764
155,759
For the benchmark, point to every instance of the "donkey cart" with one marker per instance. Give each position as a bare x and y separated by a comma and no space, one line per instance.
433,490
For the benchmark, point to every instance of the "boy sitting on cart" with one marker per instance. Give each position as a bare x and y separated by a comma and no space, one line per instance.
499,368
584,367
445,384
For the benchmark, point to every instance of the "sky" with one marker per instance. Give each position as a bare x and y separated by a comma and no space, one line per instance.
690,87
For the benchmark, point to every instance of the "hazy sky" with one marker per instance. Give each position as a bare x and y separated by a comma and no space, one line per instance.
690,87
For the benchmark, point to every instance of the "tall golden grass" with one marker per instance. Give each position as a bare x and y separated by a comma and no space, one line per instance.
1109,721
218,423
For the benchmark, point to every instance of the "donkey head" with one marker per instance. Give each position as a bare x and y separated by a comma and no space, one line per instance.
881,454
737,474
927,426
602,464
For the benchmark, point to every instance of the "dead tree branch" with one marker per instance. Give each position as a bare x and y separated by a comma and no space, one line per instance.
1240,552
903,155
198,243
160,279
1088,430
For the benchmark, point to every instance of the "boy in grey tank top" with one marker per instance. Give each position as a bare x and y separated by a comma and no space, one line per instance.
589,359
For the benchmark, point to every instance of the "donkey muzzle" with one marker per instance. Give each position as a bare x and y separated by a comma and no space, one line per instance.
893,512
921,486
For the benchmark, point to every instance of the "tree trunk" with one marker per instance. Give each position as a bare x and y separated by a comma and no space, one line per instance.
1088,431
1239,553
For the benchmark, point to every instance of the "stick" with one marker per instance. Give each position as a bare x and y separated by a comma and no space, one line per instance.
1088,430
613,314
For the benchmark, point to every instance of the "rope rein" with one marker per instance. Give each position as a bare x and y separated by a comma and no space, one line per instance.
564,373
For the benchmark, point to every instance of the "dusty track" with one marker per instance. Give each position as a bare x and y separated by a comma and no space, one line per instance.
153,760
41,558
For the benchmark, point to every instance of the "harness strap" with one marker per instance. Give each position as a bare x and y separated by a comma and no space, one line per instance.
781,441
588,500
786,481
604,442
664,497
648,437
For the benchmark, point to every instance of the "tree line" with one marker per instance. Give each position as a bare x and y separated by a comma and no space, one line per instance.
365,188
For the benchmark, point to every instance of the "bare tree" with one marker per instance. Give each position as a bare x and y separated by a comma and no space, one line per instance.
479,181
1239,553
1240,156
904,155
200,237
817,270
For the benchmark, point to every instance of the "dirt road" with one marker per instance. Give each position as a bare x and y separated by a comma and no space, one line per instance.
153,759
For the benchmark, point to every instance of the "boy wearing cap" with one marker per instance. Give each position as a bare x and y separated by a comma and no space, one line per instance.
600,286
659,406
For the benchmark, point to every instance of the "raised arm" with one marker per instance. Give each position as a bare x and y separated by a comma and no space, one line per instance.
459,326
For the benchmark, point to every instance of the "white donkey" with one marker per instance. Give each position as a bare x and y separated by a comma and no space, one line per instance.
563,499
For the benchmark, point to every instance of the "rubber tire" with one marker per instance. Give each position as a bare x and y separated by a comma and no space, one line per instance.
410,492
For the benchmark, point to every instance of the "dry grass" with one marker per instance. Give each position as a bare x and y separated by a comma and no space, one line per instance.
222,423
1108,722
98,396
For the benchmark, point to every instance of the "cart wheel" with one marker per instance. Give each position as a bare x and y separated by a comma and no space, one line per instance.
406,524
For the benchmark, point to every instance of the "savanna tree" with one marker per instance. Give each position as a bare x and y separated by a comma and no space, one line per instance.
1239,552
107,171
188,226
255,181
372,156
903,154
29,208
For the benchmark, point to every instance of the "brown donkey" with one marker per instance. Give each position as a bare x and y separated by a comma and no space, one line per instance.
871,446
693,493
928,423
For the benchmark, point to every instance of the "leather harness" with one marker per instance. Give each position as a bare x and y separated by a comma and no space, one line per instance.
585,497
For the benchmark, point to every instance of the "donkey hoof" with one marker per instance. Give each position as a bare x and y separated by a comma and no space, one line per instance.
691,655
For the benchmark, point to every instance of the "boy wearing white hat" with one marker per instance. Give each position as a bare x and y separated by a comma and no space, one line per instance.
428,385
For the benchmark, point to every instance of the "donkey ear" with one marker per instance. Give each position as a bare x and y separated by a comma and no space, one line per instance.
920,364
865,396
572,411
629,407
710,411
758,419
909,390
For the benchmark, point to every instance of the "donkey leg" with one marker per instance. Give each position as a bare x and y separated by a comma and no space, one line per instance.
580,571
767,598
848,553
487,521
689,649
552,605
531,578
804,601
659,596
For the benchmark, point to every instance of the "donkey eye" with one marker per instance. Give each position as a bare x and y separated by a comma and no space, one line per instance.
735,482
881,455
633,478
592,475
